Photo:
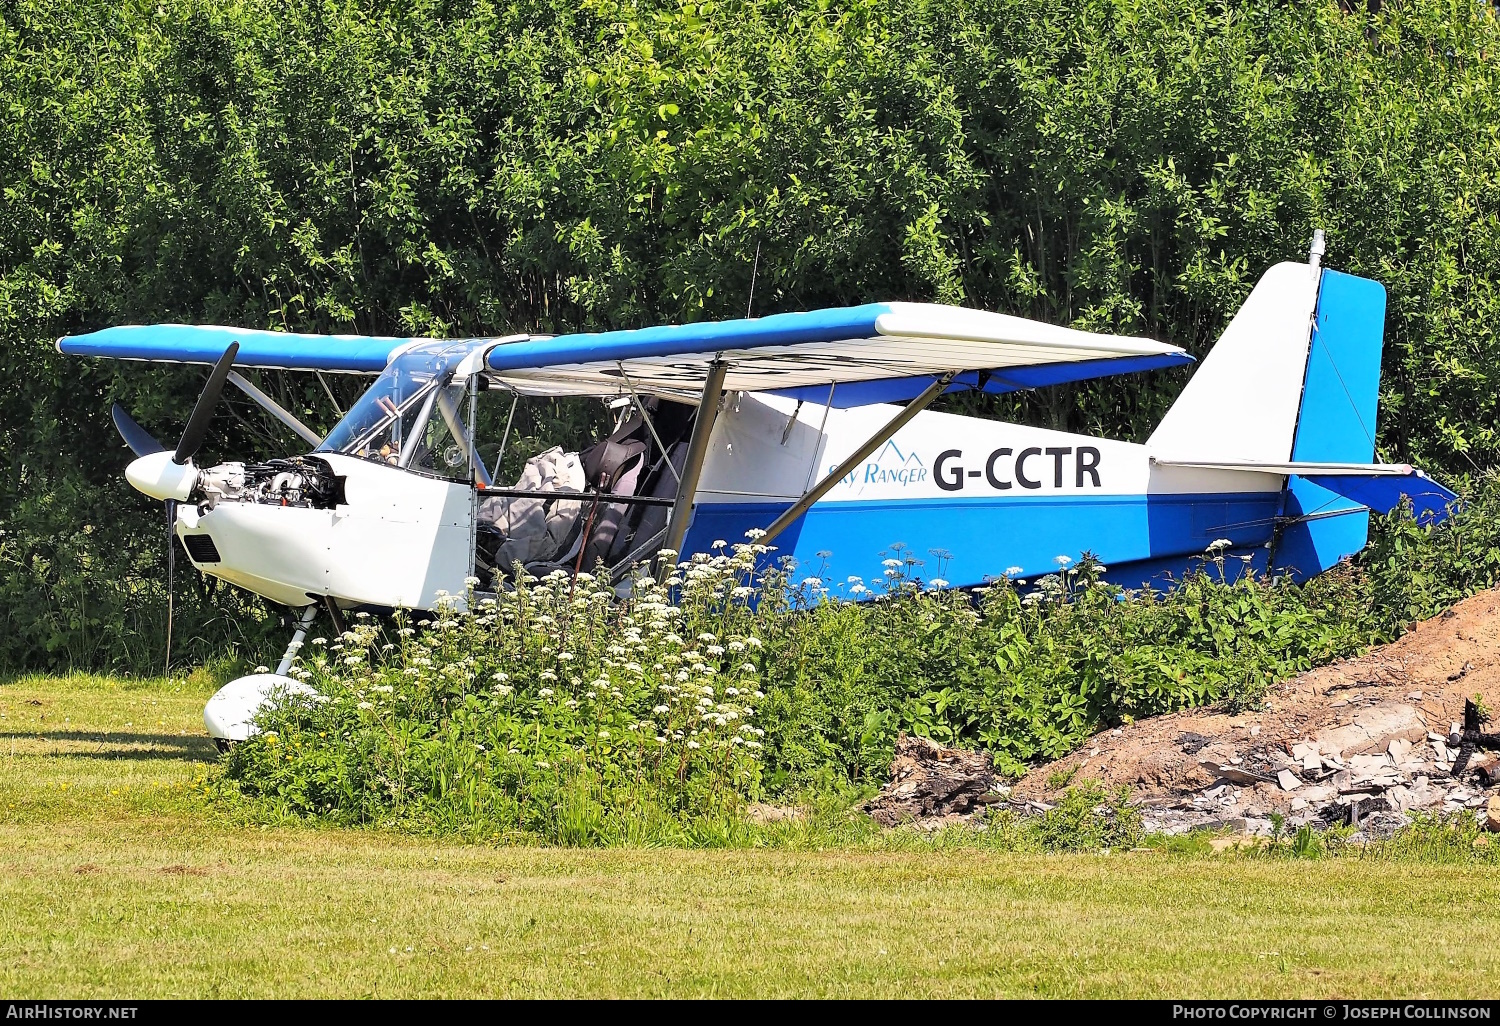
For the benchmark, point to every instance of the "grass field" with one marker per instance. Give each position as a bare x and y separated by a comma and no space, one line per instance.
118,878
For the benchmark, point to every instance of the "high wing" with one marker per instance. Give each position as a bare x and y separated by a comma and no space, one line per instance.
851,356
280,350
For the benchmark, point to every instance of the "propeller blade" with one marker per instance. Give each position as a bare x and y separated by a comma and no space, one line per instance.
141,443
171,575
203,413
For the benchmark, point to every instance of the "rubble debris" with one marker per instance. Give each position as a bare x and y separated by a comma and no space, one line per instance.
1234,774
929,781
1473,737
1360,742
1192,743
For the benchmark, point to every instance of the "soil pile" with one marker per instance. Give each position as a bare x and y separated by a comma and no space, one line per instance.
1360,741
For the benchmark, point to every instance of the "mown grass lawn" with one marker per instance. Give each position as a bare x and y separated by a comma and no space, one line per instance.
116,879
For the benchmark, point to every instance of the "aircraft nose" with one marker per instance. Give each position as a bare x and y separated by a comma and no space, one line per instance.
158,476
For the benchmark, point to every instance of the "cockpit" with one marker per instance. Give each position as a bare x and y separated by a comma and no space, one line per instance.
412,416
420,415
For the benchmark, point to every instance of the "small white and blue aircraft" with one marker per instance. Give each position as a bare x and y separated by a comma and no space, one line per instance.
811,426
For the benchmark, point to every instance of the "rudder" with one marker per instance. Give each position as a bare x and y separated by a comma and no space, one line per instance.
1335,424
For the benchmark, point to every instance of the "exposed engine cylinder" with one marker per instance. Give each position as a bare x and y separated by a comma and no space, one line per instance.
297,481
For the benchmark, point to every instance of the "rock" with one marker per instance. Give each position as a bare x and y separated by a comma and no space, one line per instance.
1398,749
1312,764
1302,750
1254,731
1298,804
928,781
1234,774
1492,814
1440,750
1373,725
1288,780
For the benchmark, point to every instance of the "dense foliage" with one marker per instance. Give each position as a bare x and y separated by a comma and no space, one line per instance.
553,711
448,166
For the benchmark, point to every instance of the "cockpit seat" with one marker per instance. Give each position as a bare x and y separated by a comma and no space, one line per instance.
528,530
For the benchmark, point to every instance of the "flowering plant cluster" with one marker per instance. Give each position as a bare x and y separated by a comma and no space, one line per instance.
552,706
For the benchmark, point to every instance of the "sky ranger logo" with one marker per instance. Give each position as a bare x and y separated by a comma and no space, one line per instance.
1031,468
890,466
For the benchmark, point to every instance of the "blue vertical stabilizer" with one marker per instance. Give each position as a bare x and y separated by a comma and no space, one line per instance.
1335,424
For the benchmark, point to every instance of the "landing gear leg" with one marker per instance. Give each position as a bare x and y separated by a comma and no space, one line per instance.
303,623
335,615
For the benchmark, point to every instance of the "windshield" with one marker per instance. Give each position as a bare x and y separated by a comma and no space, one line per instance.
388,417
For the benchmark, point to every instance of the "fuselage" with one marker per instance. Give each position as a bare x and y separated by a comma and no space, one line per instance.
969,499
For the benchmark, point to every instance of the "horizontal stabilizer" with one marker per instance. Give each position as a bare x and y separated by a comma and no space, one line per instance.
1379,487
1430,501
1303,468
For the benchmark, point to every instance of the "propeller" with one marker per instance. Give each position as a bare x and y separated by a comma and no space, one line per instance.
140,441
172,482
171,505
203,413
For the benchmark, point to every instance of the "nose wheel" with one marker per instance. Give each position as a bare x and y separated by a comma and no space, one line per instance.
230,713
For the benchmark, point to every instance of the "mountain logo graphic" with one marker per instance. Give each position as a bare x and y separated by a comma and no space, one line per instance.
889,467
903,459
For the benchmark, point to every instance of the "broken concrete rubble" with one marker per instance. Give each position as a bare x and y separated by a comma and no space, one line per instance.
1364,741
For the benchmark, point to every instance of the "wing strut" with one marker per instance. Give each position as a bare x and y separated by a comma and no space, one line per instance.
692,467
859,455
274,408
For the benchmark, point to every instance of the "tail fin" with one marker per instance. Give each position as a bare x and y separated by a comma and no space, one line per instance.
1294,380
1242,402
1335,423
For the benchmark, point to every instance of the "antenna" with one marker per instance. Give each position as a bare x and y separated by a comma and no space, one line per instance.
1318,248
753,268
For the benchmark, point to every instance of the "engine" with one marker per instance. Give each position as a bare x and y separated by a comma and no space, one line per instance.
296,481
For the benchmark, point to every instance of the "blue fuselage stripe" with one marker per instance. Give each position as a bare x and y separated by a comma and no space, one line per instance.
966,541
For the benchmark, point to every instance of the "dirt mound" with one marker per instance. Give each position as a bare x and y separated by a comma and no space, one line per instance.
1359,741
